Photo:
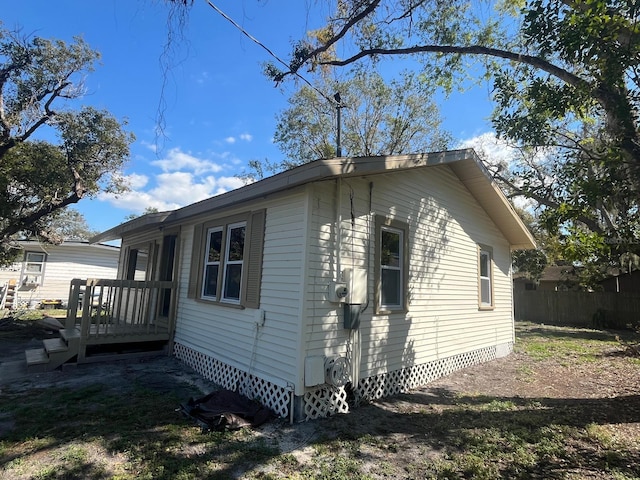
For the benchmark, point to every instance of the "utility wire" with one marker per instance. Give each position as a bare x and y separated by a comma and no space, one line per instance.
269,51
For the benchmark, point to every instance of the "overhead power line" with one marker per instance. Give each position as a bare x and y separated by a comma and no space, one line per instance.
267,49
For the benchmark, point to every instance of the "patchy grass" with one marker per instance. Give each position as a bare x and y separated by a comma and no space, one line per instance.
478,438
589,430
568,345
91,432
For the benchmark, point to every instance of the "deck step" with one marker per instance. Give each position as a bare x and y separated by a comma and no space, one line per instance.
55,345
70,334
69,347
36,356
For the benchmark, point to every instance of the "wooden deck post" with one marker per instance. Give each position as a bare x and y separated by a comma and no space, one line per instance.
85,323
72,304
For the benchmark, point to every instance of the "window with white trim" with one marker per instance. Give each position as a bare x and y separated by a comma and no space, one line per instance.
391,265
224,258
213,255
485,277
226,265
233,261
33,268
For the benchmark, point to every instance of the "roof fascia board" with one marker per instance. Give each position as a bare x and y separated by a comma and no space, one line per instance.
467,174
139,223
465,164
315,171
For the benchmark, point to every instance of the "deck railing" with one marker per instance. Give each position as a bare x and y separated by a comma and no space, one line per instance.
119,311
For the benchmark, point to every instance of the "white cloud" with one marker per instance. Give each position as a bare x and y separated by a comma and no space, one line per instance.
491,149
172,190
245,137
177,160
202,77
495,151
180,188
177,180
224,184
136,201
136,180
150,146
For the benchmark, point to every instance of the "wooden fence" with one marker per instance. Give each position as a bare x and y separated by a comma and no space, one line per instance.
585,309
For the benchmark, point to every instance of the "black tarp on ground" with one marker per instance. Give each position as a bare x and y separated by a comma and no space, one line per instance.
226,410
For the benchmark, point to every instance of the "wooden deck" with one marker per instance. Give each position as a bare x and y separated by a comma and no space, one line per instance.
104,312
99,334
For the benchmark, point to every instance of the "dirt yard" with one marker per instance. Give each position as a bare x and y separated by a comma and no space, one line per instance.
556,379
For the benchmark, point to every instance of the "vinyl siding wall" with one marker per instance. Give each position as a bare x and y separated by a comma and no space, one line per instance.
445,227
230,334
64,263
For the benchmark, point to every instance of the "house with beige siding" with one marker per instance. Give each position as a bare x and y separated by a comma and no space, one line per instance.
44,272
339,281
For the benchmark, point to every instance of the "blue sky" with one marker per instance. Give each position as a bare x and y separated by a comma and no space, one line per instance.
219,109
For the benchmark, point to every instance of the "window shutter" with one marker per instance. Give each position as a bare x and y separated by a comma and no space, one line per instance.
195,271
254,260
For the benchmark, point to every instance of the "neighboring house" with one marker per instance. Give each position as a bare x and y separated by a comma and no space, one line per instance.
44,271
622,282
339,281
554,277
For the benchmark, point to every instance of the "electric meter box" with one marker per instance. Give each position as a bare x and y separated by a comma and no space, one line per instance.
356,280
338,292
352,315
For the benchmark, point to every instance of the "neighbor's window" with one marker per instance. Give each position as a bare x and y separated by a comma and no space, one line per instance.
485,283
229,267
391,265
33,268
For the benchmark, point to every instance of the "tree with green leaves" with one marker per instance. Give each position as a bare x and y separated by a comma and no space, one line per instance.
69,224
377,118
531,263
146,211
53,152
566,82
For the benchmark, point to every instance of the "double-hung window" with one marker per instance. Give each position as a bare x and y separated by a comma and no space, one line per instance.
33,268
213,254
224,258
234,259
485,277
391,265
226,265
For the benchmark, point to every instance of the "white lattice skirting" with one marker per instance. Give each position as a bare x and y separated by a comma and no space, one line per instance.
329,400
278,399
